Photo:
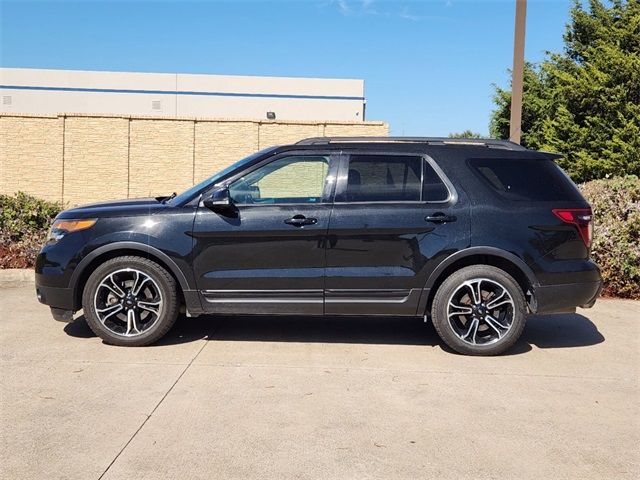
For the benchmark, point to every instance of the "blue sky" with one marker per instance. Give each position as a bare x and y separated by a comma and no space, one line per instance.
428,66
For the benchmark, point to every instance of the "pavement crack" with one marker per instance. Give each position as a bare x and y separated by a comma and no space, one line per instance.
157,405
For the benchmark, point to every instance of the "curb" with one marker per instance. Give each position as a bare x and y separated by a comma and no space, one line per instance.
16,277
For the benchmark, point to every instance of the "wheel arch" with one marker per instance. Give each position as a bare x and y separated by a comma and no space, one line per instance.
119,249
495,257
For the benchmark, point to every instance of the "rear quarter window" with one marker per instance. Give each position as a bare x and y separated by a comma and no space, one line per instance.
526,180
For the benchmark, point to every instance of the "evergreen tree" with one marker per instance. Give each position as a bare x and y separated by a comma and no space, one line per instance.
585,102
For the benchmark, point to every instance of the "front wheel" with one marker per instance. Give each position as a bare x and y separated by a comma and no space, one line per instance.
479,310
130,301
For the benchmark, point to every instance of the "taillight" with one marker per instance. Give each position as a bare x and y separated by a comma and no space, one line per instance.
581,218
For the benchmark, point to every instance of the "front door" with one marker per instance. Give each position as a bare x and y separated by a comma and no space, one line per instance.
268,255
395,217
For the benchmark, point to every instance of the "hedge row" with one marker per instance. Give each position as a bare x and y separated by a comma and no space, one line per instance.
24,221
616,245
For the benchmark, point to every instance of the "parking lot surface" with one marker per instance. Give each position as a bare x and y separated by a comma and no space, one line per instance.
278,397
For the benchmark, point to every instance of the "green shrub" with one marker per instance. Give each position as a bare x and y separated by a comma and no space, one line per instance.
24,222
616,245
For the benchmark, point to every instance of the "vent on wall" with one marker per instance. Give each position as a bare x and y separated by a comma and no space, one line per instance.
6,100
156,105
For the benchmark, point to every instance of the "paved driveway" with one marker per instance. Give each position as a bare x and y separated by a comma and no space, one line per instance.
318,398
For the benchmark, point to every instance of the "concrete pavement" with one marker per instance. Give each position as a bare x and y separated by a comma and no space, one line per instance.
318,398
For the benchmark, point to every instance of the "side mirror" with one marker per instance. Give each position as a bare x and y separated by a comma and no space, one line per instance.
218,200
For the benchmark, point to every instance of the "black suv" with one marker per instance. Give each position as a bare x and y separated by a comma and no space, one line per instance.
474,234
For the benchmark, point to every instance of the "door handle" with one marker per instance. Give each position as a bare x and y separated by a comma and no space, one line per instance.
300,221
440,217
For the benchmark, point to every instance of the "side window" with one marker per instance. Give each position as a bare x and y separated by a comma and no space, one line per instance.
388,178
433,190
296,179
526,179
383,178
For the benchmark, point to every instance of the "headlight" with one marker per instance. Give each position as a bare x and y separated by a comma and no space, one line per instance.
63,226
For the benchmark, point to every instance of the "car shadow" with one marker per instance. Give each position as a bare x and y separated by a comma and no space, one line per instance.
543,331
561,331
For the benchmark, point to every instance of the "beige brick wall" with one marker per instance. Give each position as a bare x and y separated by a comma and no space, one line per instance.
79,159
161,157
95,159
31,156
282,133
377,129
219,144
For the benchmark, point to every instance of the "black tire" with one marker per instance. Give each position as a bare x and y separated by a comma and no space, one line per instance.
161,285
462,325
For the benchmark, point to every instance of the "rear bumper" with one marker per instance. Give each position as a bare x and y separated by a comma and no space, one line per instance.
566,297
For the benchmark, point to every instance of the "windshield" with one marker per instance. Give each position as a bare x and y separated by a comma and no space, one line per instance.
190,192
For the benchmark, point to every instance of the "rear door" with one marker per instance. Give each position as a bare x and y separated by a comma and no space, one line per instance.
269,255
395,217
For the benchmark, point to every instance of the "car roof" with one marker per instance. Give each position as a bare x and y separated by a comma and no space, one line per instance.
487,142
449,147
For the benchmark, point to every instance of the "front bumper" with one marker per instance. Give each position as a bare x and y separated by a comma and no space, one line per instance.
55,297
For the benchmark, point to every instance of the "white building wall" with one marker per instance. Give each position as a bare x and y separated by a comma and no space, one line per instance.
37,91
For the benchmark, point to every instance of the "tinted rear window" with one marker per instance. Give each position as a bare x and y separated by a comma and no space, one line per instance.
526,180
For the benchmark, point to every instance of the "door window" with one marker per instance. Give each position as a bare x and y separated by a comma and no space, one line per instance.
388,178
295,179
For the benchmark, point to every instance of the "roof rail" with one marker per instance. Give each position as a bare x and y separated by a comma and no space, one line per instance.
484,142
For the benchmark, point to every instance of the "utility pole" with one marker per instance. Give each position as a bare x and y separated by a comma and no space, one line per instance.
515,125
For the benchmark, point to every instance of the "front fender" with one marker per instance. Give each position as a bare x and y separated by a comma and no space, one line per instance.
185,279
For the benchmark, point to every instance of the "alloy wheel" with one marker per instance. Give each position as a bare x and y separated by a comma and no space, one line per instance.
128,302
480,311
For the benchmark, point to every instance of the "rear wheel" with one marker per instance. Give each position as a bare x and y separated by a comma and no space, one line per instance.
130,301
479,310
